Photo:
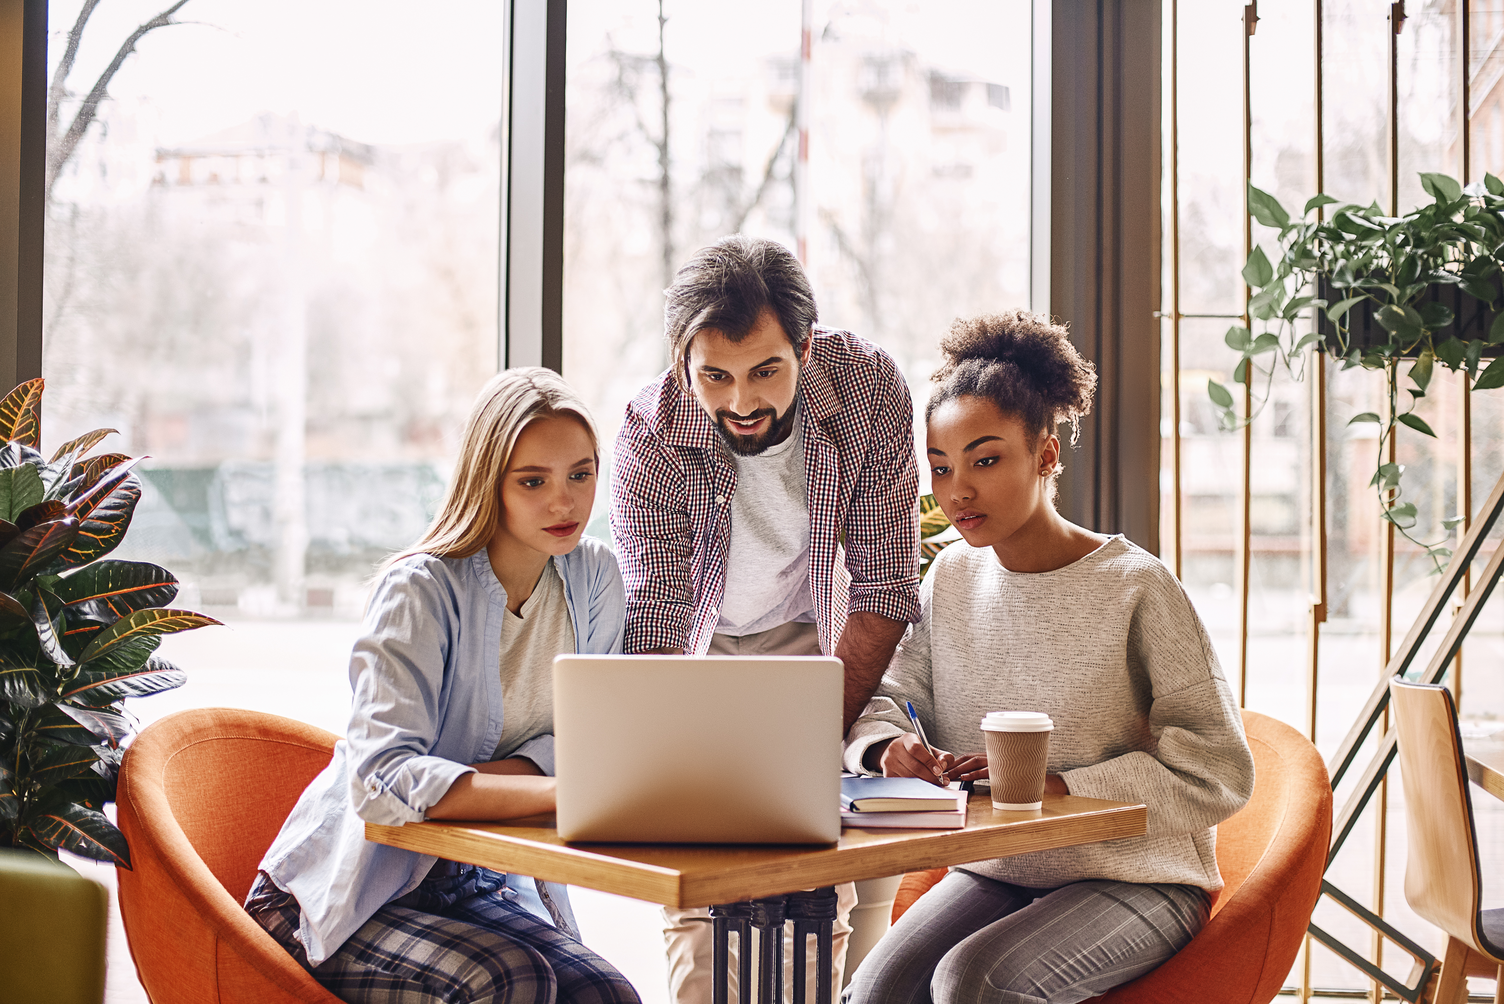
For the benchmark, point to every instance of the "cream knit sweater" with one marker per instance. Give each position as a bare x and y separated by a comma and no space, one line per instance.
1111,649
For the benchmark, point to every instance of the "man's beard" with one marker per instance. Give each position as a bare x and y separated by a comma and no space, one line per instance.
776,432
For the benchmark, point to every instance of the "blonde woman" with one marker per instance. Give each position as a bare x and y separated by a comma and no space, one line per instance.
452,718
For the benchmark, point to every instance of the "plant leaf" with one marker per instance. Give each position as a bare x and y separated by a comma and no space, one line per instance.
1492,376
33,549
20,488
1450,351
10,802
1258,273
150,675
103,521
12,611
1343,305
1240,372
1238,338
1266,209
1219,394
54,762
143,624
1420,373
49,625
1317,201
1401,321
83,444
1473,356
81,830
1443,188
91,470
106,591
932,523
1367,416
1402,516
1435,316
52,724
21,680
42,512
21,414
1267,342
1417,423
102,723
1494,185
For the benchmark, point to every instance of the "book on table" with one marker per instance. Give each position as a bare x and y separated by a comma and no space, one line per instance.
901,803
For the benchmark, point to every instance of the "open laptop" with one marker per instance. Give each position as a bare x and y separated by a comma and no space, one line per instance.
698,749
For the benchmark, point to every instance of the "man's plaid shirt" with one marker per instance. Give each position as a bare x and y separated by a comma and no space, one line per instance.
674,478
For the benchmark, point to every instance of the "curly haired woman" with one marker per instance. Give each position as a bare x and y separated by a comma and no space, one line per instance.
1031,612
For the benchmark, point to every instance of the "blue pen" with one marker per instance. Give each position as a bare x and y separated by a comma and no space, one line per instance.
919,731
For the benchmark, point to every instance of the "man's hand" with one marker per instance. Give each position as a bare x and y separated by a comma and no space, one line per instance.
866,647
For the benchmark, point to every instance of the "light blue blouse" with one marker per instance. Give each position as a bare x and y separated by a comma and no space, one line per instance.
426,704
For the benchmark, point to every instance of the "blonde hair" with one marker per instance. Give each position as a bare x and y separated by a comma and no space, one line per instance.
506,405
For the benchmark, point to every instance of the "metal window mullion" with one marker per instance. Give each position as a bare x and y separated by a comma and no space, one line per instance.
533,199
1318,444
1245,510
1178,537
1464,400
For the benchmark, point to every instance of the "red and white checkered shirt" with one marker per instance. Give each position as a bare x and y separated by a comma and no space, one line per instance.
674,478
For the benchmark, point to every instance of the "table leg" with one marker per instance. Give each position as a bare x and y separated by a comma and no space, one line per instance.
813,912
719,970
768,916
722,917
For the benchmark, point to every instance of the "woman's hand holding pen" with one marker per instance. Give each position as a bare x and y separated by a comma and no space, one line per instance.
907,756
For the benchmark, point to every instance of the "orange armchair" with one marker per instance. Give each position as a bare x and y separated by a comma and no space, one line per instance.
1272,853
202,795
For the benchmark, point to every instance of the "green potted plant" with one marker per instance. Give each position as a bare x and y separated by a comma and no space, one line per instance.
78,634
1378,292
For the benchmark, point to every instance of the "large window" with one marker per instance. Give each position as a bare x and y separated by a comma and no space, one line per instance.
1311,540
911,207
272,265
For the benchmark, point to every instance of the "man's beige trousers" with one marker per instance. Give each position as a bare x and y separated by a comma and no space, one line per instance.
686,933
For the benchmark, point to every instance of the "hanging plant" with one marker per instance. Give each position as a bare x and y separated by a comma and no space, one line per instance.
77,635
1396,294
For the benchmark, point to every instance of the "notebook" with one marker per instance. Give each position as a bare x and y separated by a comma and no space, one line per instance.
898,794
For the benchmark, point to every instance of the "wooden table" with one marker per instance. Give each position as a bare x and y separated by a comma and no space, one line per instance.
1485,763
726,877
685,875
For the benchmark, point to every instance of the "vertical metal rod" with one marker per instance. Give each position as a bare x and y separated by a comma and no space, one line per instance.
1245,512
1386,533
719,970
1318,529
1464,506
1175,444
1464,399
1318,448
803,208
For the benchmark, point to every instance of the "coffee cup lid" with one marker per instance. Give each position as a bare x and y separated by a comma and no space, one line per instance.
1017,721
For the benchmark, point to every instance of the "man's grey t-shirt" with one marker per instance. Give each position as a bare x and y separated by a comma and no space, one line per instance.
767,561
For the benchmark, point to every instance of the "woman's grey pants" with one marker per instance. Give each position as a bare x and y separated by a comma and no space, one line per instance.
971,940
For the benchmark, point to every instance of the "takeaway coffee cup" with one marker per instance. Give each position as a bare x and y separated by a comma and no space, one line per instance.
1018,750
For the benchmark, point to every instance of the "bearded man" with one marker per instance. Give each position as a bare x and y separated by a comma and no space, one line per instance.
765,501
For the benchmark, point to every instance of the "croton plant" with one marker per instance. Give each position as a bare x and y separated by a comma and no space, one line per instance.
78,634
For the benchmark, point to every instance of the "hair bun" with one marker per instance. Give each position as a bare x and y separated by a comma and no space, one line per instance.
1022,361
